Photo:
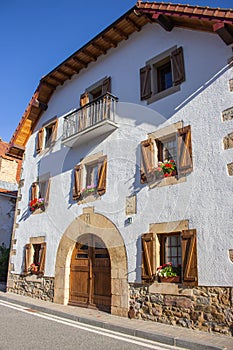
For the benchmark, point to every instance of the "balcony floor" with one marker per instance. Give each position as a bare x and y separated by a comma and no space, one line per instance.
86,135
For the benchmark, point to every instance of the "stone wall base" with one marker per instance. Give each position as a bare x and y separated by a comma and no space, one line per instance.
32,286
207,309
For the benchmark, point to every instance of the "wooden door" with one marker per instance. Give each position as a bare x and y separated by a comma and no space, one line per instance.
90,274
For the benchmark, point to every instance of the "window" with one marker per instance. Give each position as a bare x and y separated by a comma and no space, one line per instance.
175,146
95,91
90,177
170,249
179,248
34,258
47,135
162,75
39,195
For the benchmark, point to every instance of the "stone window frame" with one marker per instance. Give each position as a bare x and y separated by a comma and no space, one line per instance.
149,75
80,178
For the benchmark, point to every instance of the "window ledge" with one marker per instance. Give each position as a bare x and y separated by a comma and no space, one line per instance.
163,94
89,198
169,288
168,181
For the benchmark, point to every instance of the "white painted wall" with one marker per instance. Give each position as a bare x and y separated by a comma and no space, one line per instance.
205,199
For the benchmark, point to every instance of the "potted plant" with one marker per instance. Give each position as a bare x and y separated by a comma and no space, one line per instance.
90,189
37,203
33,268
168,167
168,273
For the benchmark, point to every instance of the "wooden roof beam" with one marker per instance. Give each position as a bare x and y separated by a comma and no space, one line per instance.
100,48
163,21
48,85
109,41
59,81
224,31
121,33
66,75
75,70
79,61
89,54
133,24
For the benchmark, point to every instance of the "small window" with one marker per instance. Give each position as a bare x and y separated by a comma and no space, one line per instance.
34,259
39,196
162,75
175,148
176,249
90,178
47,136
95,91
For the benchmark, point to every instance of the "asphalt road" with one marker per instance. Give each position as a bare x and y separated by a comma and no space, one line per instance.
24,329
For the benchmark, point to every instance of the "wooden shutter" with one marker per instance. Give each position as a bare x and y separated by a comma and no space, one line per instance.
106,86
159,145
145,82
46,198
101,187
147,160
34,190
42,257
177,63
184,149
40,140
54,131
84,99
28,257
77,182
148,256
189,257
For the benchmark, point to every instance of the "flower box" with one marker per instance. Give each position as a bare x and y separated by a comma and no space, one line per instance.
172,279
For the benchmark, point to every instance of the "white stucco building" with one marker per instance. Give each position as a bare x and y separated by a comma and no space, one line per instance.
103,121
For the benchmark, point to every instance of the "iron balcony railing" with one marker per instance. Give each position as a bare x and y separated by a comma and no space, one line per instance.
94,112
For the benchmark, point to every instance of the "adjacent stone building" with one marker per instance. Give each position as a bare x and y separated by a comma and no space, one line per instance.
127,172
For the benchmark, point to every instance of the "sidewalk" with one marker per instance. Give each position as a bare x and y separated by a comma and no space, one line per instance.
166,334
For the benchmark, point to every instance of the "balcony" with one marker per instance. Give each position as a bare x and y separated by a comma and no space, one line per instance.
94,119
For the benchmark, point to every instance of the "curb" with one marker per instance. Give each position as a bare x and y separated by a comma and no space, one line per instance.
160,338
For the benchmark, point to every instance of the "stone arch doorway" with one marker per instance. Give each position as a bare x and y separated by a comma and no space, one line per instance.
103,228
90,274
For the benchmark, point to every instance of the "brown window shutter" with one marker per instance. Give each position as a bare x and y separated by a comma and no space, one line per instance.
101,187
148,256
46,199
159,145
34,190
177,62
185,159
145,82
84,99
42,257
189,257
40,140
77,182
147,160
106,86
54,131
28,257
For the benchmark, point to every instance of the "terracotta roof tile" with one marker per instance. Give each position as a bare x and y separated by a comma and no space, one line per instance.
7,192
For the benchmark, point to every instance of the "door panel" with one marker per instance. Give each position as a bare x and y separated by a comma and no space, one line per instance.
90,274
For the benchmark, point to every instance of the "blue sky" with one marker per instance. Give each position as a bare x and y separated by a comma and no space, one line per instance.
36,36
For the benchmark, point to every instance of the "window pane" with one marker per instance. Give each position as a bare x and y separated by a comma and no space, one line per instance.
92,175
173,250
164,75
170,149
